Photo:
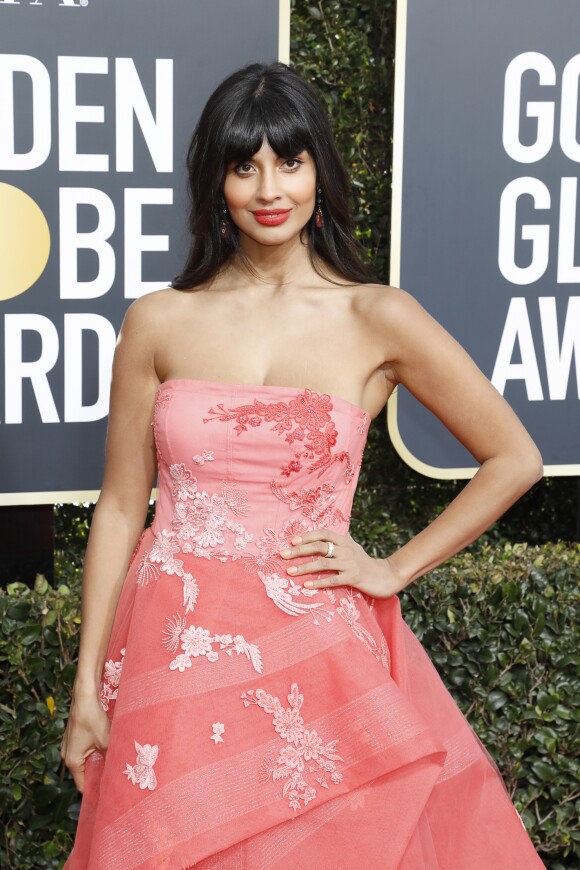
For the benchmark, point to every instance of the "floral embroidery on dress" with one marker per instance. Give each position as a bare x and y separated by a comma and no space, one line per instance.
317,503
304,419
203,457
184,483
284,592
268,546
218,729
172,632
111,680
164,549
200,520
364,420
305,758
199,525
146,571
351,614
197,641
141,773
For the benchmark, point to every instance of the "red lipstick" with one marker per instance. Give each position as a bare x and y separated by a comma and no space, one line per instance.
272,217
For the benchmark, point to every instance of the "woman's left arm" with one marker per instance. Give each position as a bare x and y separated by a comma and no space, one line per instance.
443,377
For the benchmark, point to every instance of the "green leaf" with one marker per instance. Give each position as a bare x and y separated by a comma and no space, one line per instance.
18,611
315,12
496,700
41,585
543,771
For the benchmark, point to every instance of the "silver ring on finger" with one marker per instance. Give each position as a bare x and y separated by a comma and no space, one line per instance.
330,551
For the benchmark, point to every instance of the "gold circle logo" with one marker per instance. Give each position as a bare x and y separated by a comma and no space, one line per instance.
24,241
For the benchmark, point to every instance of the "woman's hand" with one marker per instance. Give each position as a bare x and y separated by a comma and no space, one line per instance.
87,729
354,567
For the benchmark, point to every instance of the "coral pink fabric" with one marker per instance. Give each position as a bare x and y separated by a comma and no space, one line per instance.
256,724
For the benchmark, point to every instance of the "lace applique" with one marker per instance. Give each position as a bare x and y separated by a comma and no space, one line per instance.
305,419
304,759
111,680
218,729
204,456
163,551
184,484
199,524
270,543
351,614
200,520
364,420
141,773
284,592
146,570
197,641
316,503
172,632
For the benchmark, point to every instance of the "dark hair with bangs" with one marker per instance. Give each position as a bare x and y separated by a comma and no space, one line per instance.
272,102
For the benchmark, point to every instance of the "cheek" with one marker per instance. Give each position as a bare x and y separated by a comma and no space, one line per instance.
236,194
305,188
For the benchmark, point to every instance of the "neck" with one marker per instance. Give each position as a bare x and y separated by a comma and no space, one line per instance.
275,265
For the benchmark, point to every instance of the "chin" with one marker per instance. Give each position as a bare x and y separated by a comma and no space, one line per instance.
271,238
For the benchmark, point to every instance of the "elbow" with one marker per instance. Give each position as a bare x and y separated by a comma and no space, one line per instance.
532,466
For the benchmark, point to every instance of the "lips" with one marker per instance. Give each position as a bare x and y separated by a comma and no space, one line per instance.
272,217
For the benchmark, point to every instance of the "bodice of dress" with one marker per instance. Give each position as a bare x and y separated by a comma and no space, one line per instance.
242,468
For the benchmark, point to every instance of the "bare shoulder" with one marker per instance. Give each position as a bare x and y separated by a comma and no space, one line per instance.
152,309
384,300
390,310
145,325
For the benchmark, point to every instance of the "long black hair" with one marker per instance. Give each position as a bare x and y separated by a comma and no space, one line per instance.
272,102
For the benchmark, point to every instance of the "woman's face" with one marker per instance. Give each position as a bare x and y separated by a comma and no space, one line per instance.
270,198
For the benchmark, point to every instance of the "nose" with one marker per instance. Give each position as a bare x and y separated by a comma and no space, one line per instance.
267,191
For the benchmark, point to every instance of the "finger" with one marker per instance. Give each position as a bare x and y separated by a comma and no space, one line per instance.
77,770
318,535
306,549
320,564
327,580
102,743
79,778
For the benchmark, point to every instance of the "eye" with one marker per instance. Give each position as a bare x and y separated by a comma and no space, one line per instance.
243,168
293,163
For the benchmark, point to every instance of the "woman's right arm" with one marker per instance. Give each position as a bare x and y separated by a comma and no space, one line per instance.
118,520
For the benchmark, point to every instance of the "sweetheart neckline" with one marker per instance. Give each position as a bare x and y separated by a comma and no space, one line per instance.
333,398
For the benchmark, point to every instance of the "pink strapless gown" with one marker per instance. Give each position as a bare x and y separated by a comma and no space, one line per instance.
257,724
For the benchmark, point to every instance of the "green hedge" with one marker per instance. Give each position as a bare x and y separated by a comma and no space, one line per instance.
498,622
39,803
501,626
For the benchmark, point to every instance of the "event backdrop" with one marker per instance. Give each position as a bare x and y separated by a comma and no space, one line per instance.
486,228
98,99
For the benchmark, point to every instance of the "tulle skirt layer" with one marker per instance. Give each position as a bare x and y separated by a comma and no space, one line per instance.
255,733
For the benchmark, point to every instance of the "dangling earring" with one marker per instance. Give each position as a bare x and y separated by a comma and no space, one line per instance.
224,229
318,217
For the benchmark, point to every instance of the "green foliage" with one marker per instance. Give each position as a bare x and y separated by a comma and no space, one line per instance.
346,50
38,801
501,627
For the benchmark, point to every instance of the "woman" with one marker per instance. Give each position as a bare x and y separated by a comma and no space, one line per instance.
247,694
